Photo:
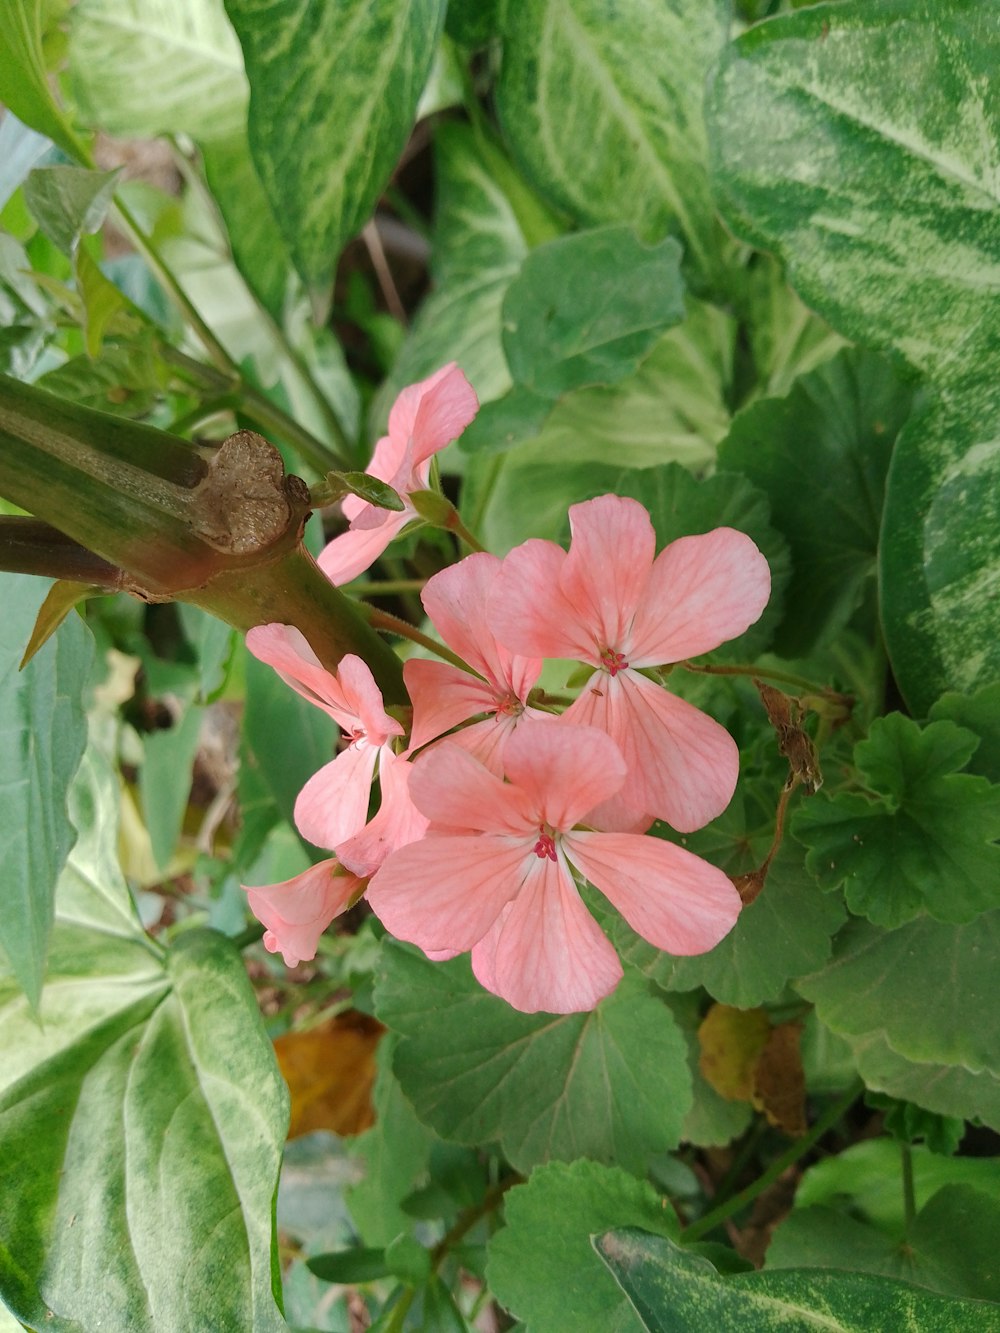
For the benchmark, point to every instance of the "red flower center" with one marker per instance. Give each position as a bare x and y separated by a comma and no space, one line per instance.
613,662
545,846
509,706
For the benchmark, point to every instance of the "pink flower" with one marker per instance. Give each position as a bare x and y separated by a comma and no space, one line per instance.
424,418
332,808
610,603
297,911
494,872
444,696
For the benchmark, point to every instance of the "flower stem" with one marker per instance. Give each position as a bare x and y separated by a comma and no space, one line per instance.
766,673
385,620
704,1225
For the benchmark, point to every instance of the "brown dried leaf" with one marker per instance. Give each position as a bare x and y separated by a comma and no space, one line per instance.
330,1070
779,1082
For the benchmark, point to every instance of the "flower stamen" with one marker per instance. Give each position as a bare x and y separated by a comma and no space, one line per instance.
613,661
545,846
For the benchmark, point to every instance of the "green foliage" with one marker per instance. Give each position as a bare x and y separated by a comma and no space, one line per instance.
925,843
612,1085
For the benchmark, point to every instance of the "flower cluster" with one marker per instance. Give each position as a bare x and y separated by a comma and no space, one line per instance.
500,801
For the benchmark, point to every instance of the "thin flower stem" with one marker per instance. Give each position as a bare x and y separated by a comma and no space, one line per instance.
387,588
249,936
797,1150
468,1219
909,1193
463,533
385,620
765,673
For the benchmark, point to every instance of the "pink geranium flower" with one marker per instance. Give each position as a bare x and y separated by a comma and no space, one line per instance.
332,808
494,872
443,696
297,911
612,602
424,418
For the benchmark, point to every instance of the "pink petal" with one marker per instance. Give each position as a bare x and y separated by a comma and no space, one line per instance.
333,805
682,765
287,650
672,898
549,955
397,823
608,565
457,600
297,911
354,551
444,893
390,463
564,769
433,412
702,592
364,699
442,697
487,740
529,612
455,791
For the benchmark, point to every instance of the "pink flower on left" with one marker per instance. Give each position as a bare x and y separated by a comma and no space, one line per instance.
424,418
297,911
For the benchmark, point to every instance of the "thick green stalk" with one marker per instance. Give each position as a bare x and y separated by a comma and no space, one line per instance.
218,527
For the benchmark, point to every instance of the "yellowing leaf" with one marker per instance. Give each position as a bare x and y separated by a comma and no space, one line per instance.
731,1044
330,1070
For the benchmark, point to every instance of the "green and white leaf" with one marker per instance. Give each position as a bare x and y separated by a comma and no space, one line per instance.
44,732
24,71
334,92
69,202
882,204
609,134
922,840
675,1291
611,1085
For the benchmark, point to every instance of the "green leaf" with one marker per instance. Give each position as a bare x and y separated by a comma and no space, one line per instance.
69,202
928,988
336,485
362,1264
587,308
394,1152
60,600
783,934
213,642
24,70
821,455
948,1090
165,782
334,93
925,843
147,1084
672,1289
865,1179
949,1247
542,1266
101,299
45,731
671,410
125,56
880,202
786,338
612,1085
979,713
939,559
125,379
601,100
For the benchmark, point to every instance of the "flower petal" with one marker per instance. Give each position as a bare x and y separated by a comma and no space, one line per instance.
549,954
456,791
442,697
529,612
364,699
608,565
287,650
433,412
354,551
457,601
564,769
444,893
703,591
297,911
682,765
333,805
397,822
669,896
